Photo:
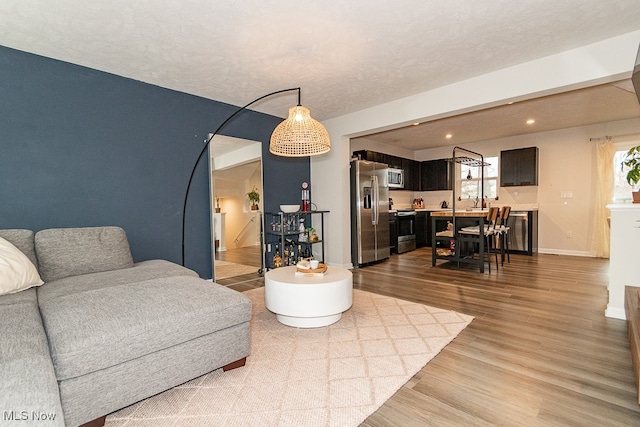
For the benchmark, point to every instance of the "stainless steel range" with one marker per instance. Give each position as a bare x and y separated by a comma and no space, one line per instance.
405,222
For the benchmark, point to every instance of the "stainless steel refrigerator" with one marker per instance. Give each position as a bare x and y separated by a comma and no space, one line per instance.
369,212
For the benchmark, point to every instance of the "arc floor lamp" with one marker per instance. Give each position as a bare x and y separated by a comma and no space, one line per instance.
299,135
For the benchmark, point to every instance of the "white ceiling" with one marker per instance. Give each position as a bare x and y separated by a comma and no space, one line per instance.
346,55
597,104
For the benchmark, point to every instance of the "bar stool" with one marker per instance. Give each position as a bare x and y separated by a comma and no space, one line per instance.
503,232
490,231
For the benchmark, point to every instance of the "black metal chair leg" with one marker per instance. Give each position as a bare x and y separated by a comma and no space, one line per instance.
507,247
488,253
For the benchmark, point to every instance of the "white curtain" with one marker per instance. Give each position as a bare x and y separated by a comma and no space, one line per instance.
605,151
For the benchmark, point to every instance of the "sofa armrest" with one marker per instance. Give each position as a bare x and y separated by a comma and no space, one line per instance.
29,392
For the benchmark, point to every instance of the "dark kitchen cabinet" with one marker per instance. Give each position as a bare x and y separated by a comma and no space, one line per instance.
421,229
407,174
393,161
436,175
417,186
393,234
371,156
374,156
519,167
411,170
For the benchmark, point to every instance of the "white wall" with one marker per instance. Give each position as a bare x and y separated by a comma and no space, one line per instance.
605,61
242,223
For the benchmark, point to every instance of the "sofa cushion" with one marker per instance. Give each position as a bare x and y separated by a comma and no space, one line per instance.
28,295
23,240
145,270
64,252
28,386
17,273
102,327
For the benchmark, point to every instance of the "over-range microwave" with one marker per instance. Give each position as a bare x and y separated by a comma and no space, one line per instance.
395,178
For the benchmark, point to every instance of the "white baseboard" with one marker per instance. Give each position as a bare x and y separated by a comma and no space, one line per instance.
348,266
615,313
564,252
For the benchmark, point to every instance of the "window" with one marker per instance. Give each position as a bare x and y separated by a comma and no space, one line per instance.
470,180
621,188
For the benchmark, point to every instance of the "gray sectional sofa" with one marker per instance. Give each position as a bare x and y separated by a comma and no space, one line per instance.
102,333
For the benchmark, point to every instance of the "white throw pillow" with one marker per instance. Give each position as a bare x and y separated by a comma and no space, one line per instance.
17,272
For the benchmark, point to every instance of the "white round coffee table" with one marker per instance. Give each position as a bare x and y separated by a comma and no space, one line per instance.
308,302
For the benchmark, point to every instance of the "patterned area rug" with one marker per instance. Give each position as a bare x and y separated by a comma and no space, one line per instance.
332,376
226,269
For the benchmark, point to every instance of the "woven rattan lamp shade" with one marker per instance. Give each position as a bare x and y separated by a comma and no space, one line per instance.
299,135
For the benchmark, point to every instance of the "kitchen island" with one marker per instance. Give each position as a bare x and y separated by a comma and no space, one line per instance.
447,245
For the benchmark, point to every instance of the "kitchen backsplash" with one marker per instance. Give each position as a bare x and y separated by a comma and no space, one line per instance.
523,197
431,199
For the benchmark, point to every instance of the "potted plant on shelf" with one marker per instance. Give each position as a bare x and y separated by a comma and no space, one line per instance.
632,161
254,198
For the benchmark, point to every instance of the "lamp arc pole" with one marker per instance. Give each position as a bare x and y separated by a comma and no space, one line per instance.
208,141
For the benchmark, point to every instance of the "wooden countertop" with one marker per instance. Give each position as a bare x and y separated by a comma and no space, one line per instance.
462,213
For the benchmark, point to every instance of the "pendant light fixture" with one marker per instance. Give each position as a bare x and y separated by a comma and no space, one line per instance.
298,136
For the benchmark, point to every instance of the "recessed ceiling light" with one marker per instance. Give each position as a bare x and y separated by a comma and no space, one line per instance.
448,136
530,121
510,103
416,123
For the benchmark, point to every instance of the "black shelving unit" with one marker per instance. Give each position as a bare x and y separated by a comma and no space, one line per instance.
282,230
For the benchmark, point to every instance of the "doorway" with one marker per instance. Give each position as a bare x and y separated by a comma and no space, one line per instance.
236,221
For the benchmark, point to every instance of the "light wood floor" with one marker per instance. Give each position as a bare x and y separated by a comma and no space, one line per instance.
249,255
539,351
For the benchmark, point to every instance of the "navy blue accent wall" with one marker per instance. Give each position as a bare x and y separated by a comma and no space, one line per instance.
80,147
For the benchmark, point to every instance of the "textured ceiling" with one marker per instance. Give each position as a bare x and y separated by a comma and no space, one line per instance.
346,55
597,104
